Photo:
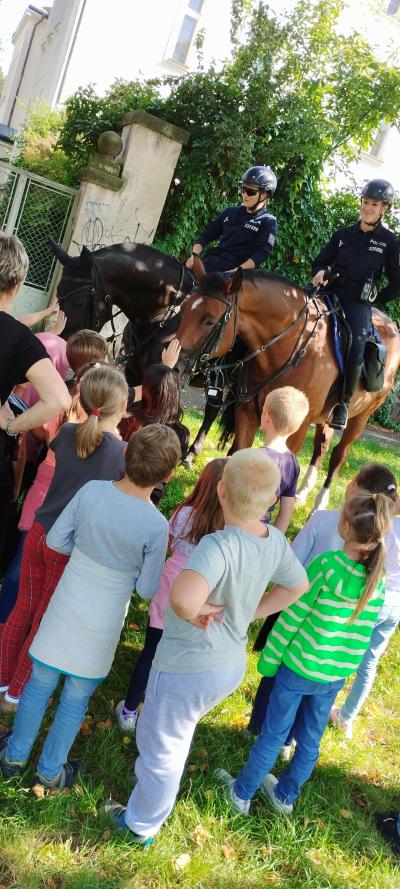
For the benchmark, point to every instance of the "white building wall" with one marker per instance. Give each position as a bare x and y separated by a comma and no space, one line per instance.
17,93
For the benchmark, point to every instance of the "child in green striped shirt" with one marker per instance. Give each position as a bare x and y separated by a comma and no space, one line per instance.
314,645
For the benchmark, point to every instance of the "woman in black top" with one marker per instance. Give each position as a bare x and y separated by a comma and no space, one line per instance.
22,358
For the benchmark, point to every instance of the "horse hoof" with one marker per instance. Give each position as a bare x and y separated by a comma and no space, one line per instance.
187,462
321,500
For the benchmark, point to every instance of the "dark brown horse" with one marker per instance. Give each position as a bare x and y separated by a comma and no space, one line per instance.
289,334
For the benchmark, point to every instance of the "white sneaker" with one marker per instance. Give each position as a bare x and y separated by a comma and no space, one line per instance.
127,724
240,805
268,789
287,751
335,717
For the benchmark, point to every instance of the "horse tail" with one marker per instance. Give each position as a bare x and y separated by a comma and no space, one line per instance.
227,424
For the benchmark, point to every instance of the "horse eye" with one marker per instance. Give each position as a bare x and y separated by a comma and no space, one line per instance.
209,322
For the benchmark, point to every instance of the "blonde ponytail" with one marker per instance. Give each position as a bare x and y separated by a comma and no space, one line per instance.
370,518
103,391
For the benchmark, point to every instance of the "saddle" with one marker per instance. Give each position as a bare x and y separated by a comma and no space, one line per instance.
374,355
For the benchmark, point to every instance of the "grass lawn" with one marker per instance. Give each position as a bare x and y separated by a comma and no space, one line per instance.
63,841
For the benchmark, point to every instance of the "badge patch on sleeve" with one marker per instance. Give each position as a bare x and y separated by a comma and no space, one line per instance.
271,239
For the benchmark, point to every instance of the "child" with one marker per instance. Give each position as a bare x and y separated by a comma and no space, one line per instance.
313,647
198,515
319,534
83,452
283,413
159,400
200,660
117,540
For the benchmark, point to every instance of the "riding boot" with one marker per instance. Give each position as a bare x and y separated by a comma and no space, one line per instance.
340,413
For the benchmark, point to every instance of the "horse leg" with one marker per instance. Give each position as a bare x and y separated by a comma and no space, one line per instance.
211,412
322,440
353,431
247,421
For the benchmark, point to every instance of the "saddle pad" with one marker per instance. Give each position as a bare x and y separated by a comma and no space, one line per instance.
336,334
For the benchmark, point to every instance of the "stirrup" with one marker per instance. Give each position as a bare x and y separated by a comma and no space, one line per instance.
339,416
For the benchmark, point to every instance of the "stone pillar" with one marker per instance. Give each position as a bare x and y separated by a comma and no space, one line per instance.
114,209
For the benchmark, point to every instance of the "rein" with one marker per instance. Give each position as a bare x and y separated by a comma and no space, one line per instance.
299,350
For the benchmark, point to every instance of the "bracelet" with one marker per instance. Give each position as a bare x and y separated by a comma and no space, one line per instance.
8,429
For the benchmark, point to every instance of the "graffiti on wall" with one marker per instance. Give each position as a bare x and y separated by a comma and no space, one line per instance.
99,231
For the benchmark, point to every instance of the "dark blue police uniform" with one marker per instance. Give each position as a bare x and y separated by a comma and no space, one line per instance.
242,236
359,258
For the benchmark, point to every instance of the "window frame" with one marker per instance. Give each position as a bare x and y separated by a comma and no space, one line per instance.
184,11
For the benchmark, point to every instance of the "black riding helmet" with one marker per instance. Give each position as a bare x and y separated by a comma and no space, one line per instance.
261,177
379,190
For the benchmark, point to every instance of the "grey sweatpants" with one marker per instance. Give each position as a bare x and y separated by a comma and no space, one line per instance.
173,705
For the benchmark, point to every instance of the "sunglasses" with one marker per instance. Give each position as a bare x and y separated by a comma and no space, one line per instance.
252,192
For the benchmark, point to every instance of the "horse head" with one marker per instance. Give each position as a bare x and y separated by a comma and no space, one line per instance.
75,291
209,315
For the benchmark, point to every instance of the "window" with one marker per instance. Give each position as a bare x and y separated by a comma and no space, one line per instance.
393,7
187,29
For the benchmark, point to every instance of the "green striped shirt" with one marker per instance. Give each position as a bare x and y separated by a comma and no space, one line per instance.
314,637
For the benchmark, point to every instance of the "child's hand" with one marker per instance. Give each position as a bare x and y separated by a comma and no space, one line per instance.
171,353
206,615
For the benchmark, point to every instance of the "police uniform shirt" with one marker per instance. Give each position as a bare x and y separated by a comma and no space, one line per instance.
242,235
359,257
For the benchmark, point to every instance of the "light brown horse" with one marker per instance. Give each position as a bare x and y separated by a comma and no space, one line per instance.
262,308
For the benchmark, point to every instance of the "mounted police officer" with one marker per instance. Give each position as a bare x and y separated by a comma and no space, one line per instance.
358,254
246,232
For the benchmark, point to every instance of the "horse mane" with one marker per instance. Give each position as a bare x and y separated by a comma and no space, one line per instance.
271,276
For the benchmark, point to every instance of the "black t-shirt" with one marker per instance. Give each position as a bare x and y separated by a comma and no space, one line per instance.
19,350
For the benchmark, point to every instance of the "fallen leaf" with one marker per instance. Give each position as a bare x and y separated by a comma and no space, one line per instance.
38,791
106,723
129,645
345,813
321,824
209,794
134,626
192,767
361,801
201,835
228,851
106,835
271,880
182,861
202,754
315,855
240,721
126,739
86,729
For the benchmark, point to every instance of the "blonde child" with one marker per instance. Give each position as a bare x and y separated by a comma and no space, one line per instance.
116,540
201,657
314,645
284,411
91,450
199,514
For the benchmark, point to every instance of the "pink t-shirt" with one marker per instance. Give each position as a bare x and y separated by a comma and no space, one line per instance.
43,479
181,550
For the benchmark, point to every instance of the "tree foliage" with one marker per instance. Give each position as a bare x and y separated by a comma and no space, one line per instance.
37,144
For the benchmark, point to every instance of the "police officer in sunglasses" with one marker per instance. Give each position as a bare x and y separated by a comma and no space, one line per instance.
246,233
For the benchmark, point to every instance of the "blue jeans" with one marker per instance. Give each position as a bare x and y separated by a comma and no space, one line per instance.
389,617
67,721
289,692
9,589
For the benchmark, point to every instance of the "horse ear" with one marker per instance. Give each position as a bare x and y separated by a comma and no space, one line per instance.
59,251
198,268
86,261
235,282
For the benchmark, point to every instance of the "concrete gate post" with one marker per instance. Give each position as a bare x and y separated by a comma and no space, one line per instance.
123,190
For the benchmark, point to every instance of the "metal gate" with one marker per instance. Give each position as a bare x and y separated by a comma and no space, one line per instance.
35,209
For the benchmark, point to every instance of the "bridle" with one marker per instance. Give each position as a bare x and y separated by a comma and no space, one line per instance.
200,359
98,293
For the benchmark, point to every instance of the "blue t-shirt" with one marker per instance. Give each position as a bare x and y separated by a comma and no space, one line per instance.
241,236
289,469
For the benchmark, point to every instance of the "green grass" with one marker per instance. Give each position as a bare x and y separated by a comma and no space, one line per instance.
64,842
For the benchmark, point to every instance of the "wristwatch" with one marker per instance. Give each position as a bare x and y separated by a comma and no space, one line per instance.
8,429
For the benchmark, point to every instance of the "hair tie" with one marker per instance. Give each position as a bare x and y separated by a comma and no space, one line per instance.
391,488
373,497
380,539
95,413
